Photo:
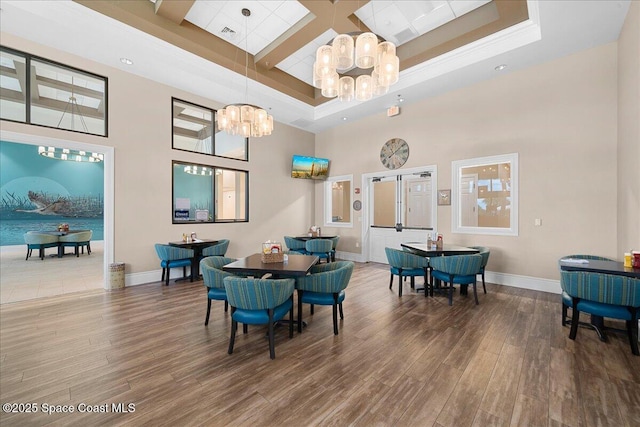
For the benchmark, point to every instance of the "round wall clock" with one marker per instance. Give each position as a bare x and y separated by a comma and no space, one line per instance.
394,153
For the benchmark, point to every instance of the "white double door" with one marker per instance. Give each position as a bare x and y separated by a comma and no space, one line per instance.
400,208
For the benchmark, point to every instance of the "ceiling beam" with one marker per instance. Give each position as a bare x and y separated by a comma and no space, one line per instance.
173,10
141,14
323,15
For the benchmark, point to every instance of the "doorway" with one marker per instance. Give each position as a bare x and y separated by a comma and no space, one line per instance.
35,278
399,206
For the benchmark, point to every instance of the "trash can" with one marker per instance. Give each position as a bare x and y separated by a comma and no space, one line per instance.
116,275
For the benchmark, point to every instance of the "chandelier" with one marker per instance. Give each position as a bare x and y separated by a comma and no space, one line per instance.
245,119
72,155
342,67
198,170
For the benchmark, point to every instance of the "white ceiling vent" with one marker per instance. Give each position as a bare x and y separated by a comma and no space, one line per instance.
228,33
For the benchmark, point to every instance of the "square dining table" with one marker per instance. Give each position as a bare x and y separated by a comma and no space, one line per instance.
197,245
295,266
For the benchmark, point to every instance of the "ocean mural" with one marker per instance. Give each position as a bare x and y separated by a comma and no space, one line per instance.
38,193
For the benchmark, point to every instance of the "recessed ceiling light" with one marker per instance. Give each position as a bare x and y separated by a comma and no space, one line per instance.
126,61
344,119
501,67
400,98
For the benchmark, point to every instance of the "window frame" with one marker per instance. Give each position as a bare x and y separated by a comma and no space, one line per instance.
456,174
27,90
214,121
213,194
328,201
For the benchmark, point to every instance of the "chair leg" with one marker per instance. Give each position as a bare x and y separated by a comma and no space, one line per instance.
245,328
28,253
232,339
226,306
206,321
391,282
88,248
400,282
166,283
312,308
475,293
413,282
272,351
162,279
299,311
341,313
564,314
632,330
291,318
76,251
335,314
575,319
483,286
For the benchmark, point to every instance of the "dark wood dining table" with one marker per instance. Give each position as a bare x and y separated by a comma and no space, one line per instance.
446,250
295,266
599,266
197,245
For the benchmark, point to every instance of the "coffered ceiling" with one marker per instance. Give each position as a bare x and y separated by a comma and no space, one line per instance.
199,45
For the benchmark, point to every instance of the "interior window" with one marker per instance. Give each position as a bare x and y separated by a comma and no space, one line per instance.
485,195
40,92
203,193
338,201
194,130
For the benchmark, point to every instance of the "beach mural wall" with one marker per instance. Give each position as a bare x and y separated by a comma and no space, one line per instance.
38,193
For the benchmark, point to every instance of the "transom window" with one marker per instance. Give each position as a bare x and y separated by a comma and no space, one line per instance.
41,92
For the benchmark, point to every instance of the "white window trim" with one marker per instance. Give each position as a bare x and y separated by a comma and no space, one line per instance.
456,167
328,201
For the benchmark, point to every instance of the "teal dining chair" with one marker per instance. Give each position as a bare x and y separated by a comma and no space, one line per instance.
457,269
173,257
320,248
295,245
324,286
259,302
77,240
605,295
335,241
39,241
405,264
219,249
484,252
567,303
213,278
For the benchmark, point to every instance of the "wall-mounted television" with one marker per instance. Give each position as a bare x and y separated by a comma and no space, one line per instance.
309,167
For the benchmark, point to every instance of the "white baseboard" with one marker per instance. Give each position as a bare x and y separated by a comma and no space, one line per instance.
506,279
525,282
145,277
349,256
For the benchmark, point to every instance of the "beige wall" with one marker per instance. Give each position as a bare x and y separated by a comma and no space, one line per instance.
140,132
560,117
629,132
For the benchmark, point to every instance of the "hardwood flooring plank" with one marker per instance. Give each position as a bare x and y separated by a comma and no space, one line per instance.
500,394
529,411
564,390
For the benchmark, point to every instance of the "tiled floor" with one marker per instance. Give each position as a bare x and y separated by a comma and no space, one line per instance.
23,280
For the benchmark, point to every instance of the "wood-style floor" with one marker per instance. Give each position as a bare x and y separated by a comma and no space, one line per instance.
410,361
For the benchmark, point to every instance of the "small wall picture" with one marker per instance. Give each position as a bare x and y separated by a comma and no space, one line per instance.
444,197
